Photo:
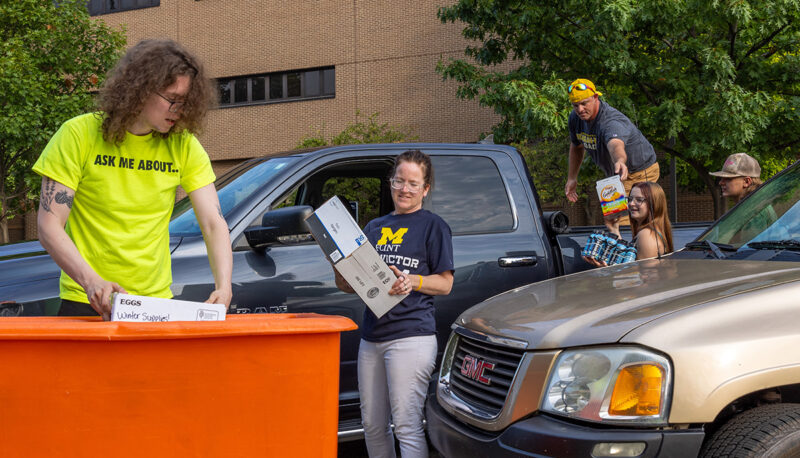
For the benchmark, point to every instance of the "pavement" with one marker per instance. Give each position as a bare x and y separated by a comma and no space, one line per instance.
357,449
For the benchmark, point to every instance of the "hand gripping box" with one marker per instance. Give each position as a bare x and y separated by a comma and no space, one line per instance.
351,254
128,307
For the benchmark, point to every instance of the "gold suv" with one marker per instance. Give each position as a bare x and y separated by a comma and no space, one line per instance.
692,354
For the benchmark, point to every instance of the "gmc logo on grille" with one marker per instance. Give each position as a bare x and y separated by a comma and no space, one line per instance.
474,368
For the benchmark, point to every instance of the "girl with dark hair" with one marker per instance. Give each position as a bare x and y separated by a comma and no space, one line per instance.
397,353
652,231
109,181
650,226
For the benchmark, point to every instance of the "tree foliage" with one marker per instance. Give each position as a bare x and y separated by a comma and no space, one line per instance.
52,55
547,162
364,189
363,130
701,78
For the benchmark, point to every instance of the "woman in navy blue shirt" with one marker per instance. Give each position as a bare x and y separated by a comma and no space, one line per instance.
397,353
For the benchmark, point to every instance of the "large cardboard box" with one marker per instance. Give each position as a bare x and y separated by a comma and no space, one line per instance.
128,307
348,249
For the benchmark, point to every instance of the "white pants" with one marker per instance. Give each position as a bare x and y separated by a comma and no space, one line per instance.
393,380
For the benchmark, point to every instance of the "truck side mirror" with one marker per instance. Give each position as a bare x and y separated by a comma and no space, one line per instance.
557,221
279,223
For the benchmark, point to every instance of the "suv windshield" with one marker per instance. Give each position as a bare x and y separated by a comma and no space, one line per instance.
770,213
233,188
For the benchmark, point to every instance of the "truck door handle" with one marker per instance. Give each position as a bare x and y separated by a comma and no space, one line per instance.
517,261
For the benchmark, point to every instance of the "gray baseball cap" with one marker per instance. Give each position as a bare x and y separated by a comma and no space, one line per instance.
739,165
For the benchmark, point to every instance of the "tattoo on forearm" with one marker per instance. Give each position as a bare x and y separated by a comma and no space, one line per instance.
49,195
219,210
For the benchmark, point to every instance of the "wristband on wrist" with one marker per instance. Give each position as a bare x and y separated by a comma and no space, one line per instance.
420,283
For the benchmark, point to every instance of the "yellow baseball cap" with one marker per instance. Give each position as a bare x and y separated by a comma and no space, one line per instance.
581,89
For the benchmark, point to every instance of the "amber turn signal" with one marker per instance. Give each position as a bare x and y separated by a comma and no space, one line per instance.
637,391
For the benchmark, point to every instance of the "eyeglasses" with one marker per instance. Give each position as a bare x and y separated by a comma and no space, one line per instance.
638,200
174,105
580,87
399,185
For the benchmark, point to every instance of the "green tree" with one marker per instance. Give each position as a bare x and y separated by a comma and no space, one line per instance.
52,55
362,190
547,162
363,130
701,78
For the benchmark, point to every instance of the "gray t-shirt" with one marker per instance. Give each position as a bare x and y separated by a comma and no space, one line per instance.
610,123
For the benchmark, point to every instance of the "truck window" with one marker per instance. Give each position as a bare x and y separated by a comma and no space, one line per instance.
234,188
363,194
770,213
363,184
470,195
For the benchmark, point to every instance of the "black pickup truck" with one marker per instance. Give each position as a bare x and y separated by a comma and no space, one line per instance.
501,238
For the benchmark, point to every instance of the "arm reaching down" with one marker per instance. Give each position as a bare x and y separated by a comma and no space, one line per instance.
218,242
55,205
619,157
576,153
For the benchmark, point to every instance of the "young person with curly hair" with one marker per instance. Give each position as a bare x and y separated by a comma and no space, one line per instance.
109,181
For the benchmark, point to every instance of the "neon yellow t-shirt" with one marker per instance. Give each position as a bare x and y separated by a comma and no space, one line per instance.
124,195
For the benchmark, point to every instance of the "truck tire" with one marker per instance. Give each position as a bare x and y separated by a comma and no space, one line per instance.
770,431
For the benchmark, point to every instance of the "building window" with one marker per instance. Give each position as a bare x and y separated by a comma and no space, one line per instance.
277,87
97,7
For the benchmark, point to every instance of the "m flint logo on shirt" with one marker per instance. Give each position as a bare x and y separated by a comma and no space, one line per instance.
133,164
395,238
390,241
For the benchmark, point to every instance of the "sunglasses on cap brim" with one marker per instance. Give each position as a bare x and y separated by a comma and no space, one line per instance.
580,87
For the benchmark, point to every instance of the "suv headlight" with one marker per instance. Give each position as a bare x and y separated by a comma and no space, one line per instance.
611,385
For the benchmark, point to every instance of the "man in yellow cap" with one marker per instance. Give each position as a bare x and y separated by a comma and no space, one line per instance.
613,142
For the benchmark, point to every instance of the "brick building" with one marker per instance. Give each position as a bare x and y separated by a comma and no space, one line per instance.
369,56
291,69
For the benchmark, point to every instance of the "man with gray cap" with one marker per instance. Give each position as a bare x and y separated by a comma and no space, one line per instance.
740,175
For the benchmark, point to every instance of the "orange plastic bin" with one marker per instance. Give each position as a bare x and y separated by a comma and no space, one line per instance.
253,385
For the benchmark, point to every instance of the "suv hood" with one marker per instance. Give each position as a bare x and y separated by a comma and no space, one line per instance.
603,305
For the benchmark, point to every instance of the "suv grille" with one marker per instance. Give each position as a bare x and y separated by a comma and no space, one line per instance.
482,373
